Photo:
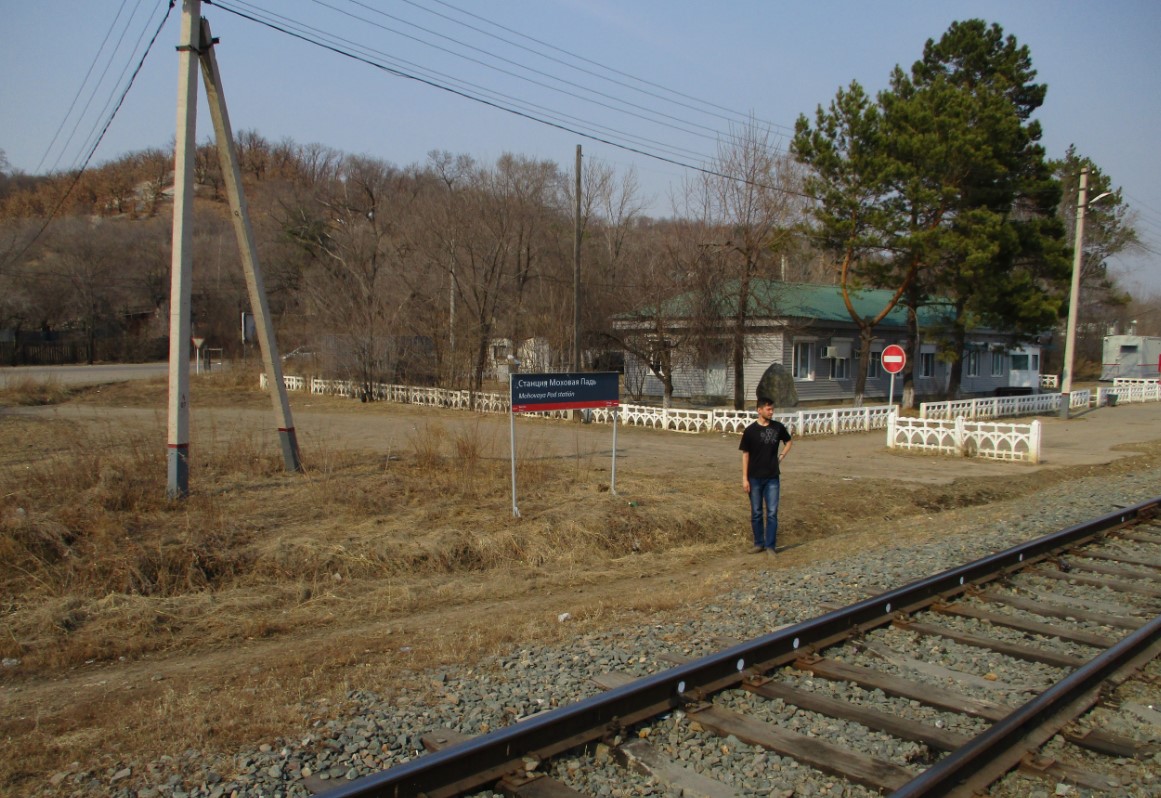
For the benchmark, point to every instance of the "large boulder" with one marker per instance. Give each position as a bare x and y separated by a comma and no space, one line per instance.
777,383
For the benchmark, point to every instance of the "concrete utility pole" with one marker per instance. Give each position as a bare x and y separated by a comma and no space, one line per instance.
177,454
228,156
576,281
1073,297
1082,203
196,43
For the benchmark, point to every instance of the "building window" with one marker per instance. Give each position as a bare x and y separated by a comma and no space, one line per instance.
1019,362
1036,362
840,368
875,366
927,364
972,364
802,358
997,364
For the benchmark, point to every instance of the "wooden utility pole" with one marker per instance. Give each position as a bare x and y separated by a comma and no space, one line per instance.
232,174
177,454
576,281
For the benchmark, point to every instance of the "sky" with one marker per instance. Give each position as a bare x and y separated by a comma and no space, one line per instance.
649,85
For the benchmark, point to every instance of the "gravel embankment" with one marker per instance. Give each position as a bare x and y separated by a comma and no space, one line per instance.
493,693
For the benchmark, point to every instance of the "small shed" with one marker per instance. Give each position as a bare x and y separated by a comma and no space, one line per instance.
1130,356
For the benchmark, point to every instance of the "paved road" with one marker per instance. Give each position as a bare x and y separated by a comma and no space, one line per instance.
84,375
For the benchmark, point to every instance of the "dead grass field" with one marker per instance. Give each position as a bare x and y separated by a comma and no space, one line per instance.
143,626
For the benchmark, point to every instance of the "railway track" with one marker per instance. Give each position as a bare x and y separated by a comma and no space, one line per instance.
1073,615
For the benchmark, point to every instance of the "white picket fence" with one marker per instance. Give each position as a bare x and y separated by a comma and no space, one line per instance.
962,427
1125,389
822,421
989,439
1002,406
1135,389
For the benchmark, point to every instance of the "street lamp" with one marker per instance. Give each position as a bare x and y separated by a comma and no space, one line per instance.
1074,292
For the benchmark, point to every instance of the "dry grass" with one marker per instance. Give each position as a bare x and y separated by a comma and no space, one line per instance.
27,392
97,563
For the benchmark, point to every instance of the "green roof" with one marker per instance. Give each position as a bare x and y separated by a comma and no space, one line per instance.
774,299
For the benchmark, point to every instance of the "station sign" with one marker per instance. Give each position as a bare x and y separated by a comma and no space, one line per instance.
535,393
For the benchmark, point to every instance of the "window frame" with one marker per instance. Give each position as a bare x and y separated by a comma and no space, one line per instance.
840,364
800,370
926,365
971,366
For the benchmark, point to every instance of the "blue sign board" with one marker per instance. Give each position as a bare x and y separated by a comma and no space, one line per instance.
533,393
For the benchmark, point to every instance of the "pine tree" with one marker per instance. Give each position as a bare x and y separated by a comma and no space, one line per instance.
962,119
940,190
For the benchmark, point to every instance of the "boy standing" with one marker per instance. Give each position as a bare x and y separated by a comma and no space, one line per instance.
760,473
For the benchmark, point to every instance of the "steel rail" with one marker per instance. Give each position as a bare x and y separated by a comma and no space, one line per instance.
1004,736
484,759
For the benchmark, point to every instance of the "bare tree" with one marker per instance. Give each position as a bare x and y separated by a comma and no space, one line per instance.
86,262
611,207
446,230
499,230
357,255
749,201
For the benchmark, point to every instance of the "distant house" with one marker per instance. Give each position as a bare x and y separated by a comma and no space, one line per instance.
534,354
807,329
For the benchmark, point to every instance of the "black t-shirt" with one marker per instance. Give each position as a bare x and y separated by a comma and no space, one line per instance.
762,444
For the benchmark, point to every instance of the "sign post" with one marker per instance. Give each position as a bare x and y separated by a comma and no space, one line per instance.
894,358
198,343
539,393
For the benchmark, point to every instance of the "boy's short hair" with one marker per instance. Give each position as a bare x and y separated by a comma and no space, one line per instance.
765,400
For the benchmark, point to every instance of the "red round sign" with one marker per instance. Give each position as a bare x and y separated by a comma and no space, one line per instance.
894,358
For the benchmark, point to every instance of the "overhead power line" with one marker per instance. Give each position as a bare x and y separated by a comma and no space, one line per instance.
632,109
728,115
141,37
313,35
100,137
80,89
379,58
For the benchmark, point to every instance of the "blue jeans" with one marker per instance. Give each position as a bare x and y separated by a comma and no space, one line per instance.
764,490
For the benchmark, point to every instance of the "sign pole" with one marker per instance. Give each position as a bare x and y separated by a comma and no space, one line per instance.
613,478
893,358
539,393
512,441
198,343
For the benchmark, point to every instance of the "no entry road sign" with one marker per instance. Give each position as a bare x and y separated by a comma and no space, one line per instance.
894,359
